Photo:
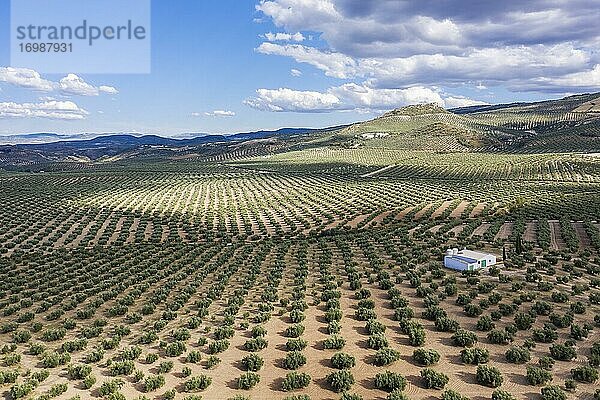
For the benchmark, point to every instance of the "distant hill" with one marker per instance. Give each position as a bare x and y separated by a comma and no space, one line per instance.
501,127
44,148
571,124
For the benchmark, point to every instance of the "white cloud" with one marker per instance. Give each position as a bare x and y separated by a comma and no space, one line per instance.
284,99
75,85
284,37
108,89
333,64
220,113
26,78
515,63
307,13
533,45
295,72
349,97
361,96
69,85
195,114
63,110
585,80
433,31
461,101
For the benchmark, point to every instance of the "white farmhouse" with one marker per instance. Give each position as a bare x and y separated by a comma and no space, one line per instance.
468,260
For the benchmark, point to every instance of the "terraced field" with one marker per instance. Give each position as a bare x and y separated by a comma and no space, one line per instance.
309,269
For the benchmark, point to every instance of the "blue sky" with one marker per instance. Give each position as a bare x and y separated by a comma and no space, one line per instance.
240,65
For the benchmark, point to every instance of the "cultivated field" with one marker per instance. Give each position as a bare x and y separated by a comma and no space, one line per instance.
309,270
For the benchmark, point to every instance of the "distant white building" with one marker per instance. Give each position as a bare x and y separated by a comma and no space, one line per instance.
468,260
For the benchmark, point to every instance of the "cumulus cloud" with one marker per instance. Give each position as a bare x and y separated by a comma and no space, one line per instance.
284,99
284,37
580,81
532,45
69,85
490,64
26,78
461,101
350,96
108,89
333,64
220,113
62,110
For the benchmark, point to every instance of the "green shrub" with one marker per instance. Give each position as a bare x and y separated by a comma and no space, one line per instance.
489,376
224,332
343,361
89,381
585,374
538,376
18,391
294,360
110,387
295,380
499,337
553,393
502,395
252,362
453,395
295,344
335,314
248,380
416,335
475,356
386,357
298,397
195,383
445,324
153,382
212,361
255,344
334,342
426,357
259,331
390,381
165,367
375,327
218,346
518,355
464,338
397,395
21,336
377,341
121,368
294,331
432,379
485,324
52,359
340,381
151,358
175,349
193,357
562,352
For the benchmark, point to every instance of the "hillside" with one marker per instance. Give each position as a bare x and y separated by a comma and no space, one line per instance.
260,264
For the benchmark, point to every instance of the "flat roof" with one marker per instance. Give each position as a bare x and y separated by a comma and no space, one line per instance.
463,258
477,255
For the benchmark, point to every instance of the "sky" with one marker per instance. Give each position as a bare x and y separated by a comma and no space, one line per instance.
241,65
